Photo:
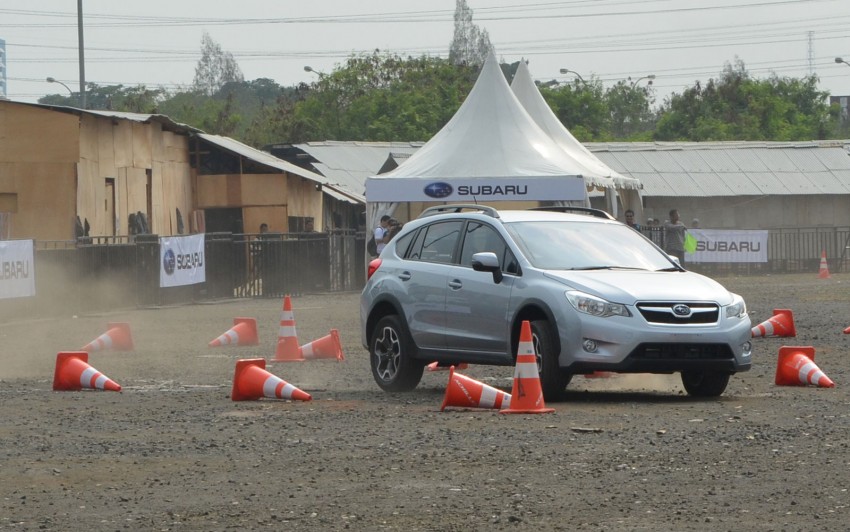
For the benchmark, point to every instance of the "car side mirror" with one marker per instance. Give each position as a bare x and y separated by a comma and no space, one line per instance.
486,261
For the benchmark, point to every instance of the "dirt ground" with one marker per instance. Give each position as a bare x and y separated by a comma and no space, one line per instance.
173,452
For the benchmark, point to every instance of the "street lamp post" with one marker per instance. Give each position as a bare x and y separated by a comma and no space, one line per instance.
650,77
51,79
568,71
322,75
840,60
308,68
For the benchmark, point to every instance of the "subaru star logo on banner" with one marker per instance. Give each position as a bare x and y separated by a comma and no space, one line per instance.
17,275
181,260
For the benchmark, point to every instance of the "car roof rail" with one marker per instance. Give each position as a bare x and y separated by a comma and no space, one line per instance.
460,207
599,213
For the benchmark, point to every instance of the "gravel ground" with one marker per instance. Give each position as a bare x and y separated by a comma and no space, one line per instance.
173,452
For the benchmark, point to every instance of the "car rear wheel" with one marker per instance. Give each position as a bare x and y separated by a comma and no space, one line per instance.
705,383
553,380
391,355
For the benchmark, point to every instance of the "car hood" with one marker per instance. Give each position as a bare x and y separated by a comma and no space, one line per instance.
629,287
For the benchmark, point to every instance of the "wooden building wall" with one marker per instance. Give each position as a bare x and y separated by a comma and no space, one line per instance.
263,198
39,150
141,159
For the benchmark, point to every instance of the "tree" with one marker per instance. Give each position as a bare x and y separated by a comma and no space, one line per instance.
470,45
631,116
381,97
737,107
582,108
215,68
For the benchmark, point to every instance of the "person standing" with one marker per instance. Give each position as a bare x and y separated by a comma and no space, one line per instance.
674,236
630,220
381,233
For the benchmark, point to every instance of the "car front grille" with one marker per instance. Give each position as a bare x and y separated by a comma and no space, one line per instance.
665,313
683,351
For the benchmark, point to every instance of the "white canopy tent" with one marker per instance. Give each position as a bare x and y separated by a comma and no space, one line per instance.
491,150
596,173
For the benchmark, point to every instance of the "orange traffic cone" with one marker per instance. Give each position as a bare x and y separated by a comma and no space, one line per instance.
823,271
326,347
436,366
251,381
780,324
465,392
796,367
287,339
117,336
599,375
243,332
73,373
847,330
527,394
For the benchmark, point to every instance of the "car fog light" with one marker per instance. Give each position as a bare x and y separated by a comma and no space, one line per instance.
747,348
589,345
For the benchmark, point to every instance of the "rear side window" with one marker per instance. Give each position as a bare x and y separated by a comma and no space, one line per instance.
436,242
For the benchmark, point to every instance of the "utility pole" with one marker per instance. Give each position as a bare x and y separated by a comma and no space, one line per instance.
82,54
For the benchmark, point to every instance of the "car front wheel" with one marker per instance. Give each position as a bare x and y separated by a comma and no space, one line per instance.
553,380
705,383
391,355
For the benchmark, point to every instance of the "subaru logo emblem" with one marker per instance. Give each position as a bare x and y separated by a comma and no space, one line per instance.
438,190
681,310
169,261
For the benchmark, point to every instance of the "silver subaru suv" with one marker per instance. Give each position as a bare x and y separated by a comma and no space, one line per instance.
456,284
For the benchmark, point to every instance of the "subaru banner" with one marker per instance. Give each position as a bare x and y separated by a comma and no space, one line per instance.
17,272
181,260
729,245
476,189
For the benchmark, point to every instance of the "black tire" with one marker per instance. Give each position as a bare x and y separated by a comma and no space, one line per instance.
705,383
553,380
391,355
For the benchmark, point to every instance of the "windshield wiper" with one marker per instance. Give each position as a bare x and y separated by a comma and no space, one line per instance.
671,269
586,268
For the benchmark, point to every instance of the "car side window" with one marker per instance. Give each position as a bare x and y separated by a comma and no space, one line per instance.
436,242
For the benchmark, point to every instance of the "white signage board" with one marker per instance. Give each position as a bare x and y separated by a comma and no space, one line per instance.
181,260
17,269
475,189
721,245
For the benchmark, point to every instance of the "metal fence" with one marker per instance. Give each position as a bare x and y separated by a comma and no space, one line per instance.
789,250
89,275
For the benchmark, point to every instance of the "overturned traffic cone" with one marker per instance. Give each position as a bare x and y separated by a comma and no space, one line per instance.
73,373
117,337
251,381
847,330
287,349
796,367
465,392
823,271
243,332
780,324
437,366
527,394
326,347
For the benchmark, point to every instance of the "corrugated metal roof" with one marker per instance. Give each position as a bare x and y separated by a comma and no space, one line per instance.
348,164
704,169
270,160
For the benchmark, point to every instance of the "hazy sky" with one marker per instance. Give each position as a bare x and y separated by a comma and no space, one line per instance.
157,42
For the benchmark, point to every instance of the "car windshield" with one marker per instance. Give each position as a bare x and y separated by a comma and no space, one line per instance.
571,245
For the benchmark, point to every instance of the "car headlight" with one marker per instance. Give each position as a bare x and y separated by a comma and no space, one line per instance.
738,308
595,306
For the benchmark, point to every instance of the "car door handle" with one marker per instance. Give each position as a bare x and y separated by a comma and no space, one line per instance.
455,284
404,276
